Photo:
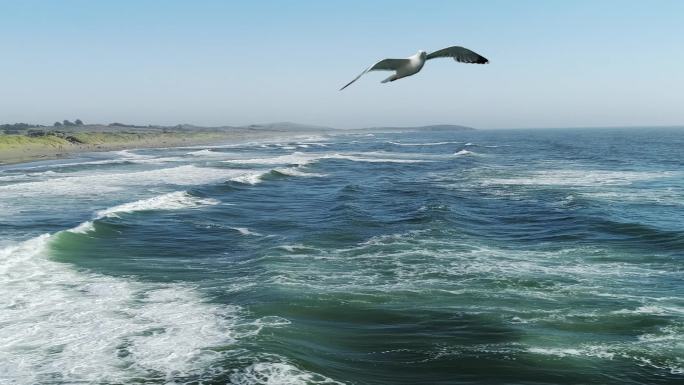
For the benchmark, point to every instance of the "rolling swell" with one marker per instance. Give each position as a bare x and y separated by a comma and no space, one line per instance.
82,326
541,260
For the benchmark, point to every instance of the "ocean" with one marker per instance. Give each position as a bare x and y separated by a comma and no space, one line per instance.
469,257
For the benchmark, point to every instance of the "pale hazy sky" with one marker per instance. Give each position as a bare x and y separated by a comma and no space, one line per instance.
553,63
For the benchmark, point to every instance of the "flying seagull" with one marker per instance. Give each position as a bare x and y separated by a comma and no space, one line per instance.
412,65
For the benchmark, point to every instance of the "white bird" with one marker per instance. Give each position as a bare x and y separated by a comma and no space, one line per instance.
413,64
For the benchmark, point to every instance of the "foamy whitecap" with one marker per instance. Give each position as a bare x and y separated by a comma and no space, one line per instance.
131,155
298,158
94,184
252,177
653,310
370,158
295,171
464,153
171,201
277,373
589,351
423,144
205,152
655,350
588,178
245,231
301,159
80,327
664,196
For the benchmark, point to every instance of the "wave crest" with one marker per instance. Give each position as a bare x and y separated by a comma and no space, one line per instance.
172,201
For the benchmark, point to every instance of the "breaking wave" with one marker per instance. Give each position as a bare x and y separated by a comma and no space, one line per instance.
171,201
74,326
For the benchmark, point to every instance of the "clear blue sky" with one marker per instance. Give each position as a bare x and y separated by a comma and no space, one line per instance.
553,63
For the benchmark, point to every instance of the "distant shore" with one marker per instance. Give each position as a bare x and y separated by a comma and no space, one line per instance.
23,148
42,143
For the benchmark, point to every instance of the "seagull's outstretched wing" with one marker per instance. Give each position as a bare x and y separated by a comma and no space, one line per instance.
382,65
459,54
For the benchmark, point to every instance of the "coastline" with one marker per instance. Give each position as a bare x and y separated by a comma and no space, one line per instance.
16,149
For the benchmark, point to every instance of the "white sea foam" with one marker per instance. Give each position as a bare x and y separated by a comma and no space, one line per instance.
589,178
171,201
298,158
370,158
653,310
79,327
659,350
302,158
251,177
94,184
665,196
295,248
423,144
245,231
131,155
279,373
316,144
588,351
464,153
295,171
15,177
206,152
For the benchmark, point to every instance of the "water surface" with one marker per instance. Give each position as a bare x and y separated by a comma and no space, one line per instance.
483,257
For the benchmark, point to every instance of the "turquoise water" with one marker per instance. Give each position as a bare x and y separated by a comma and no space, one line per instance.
483,257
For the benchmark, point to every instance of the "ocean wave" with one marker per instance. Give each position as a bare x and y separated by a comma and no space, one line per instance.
129,154
581,178
652,310
423,144
93,184
89,328
659,351
464,153
171,201
252,178
82,165
297,158
301,158
205,152
295,171
370,158
664,196
27,176
255,177
589,351
245,231
272,373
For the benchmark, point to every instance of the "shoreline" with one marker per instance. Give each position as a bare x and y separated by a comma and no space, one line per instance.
16,149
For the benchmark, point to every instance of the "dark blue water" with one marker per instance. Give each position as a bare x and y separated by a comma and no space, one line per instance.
474,257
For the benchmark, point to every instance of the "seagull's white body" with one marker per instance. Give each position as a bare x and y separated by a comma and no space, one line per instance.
413,64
